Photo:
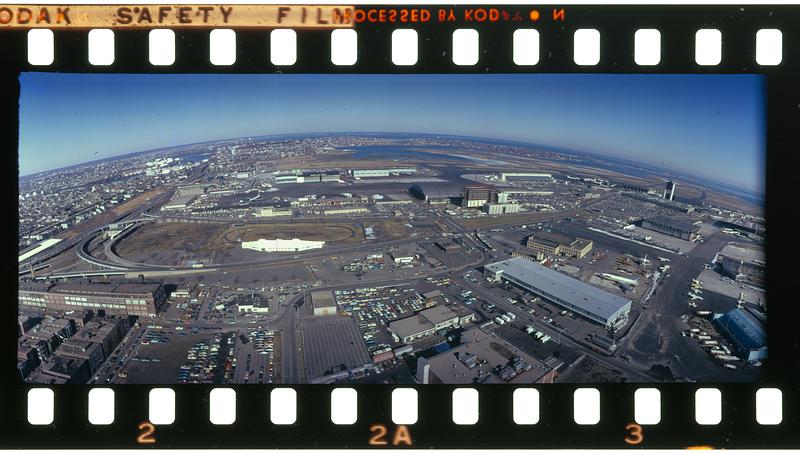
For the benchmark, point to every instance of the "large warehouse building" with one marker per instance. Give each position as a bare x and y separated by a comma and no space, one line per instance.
683,229
435,193
574,295
745,332
130,298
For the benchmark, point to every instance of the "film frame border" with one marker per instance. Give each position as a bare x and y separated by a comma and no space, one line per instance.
556,427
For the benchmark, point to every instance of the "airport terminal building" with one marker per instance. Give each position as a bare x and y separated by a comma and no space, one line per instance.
574,295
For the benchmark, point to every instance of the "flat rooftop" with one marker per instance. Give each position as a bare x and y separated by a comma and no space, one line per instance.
91,287
684,225
559,239
409,326
320,299
448,369
583,295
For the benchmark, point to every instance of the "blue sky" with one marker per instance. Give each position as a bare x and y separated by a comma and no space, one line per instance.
705,125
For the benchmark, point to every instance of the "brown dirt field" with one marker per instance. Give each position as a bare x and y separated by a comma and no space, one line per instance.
207,238
306,231
169,236
391,229
112,214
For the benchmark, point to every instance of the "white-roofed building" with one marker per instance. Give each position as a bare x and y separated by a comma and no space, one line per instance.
572,294
282,245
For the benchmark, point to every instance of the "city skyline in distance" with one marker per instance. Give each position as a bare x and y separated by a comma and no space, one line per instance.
711,126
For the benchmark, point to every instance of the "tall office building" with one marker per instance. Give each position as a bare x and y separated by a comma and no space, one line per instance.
669,190
477,196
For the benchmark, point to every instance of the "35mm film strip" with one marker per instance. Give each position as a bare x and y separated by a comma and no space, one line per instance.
392,226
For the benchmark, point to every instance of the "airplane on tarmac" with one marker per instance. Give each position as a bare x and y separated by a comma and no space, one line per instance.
694,296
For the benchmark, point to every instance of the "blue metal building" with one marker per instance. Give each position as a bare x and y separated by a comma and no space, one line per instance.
745,332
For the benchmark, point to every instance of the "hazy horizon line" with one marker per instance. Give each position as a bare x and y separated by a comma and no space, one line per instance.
555,148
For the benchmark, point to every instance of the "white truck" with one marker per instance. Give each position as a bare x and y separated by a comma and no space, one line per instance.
511,316
499,320
529,329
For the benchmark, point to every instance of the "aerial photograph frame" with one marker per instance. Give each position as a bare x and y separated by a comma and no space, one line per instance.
311,428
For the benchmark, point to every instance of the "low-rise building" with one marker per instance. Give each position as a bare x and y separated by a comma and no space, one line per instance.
282,245
324,303
559,244
426,322
273,212
484,358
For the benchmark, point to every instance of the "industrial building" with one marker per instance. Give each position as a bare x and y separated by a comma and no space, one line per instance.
744,265
683,229
501,208
343,211
483,358
745,332
434,193
282,245
252,303
574,295
426,322
528,254
669,191
525,176
191,190
378,172
448,246
273,212
121,297
477,196
307,177
324,303
179,202
559,244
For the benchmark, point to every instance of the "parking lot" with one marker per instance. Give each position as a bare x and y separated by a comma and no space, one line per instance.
332,342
